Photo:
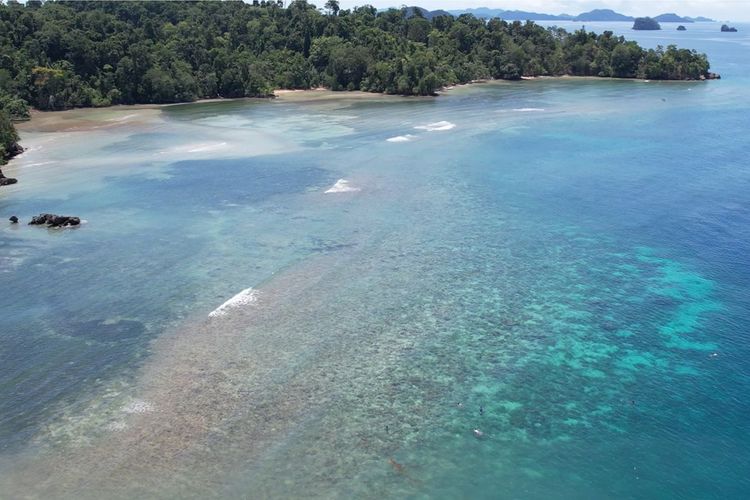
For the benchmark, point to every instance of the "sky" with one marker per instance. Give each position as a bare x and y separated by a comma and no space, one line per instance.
735,10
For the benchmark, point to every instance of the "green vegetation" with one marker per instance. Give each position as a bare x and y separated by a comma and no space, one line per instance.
60,55
646,23
8,138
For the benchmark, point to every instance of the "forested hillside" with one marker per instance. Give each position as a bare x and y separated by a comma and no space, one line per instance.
60,55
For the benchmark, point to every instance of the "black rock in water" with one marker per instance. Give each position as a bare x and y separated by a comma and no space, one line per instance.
6,181
52,220
681,28
728,29
14,149
13,219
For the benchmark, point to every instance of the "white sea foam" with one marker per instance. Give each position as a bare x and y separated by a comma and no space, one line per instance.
342,186
402,138
39,164
138,406
207,147
528,110
436,127
245,297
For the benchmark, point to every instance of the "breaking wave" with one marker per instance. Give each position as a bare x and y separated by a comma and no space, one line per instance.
245,297
436,127
342,186
402,138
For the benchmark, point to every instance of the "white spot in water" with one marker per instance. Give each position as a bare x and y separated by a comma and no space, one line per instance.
436,127
342,186
402,138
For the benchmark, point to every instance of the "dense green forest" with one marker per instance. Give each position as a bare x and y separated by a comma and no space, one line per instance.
8,139
63,54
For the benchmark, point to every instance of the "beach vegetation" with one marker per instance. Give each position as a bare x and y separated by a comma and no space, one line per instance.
8,137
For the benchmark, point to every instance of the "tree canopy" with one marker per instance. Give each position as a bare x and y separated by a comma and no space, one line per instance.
63,54
8,138
646,23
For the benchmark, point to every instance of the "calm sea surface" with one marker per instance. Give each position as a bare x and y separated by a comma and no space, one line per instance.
535,290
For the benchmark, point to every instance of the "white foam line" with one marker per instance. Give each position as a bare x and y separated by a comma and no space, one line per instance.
245,297
528,110
342,186
436,127
39,164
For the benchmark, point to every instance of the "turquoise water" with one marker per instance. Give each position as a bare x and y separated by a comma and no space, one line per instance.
559,264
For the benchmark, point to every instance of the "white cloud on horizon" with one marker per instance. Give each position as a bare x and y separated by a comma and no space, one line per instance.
717,9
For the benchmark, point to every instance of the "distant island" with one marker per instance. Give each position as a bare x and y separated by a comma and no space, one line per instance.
602,15
672,18
94,54
646,24
681,28
728,29
596,15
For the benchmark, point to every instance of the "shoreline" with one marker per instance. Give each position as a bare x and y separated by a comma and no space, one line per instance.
48,120
324,94
89,119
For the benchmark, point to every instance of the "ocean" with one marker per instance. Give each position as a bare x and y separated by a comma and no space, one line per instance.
531,290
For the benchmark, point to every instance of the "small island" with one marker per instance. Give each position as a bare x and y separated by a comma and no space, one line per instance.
646,24
681,28
672,18
728,29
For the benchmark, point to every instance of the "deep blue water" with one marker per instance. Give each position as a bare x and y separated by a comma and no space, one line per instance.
561,266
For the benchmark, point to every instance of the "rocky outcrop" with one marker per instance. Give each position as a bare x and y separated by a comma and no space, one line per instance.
728,29
52,220
711,76
13,219
5,181
15,149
